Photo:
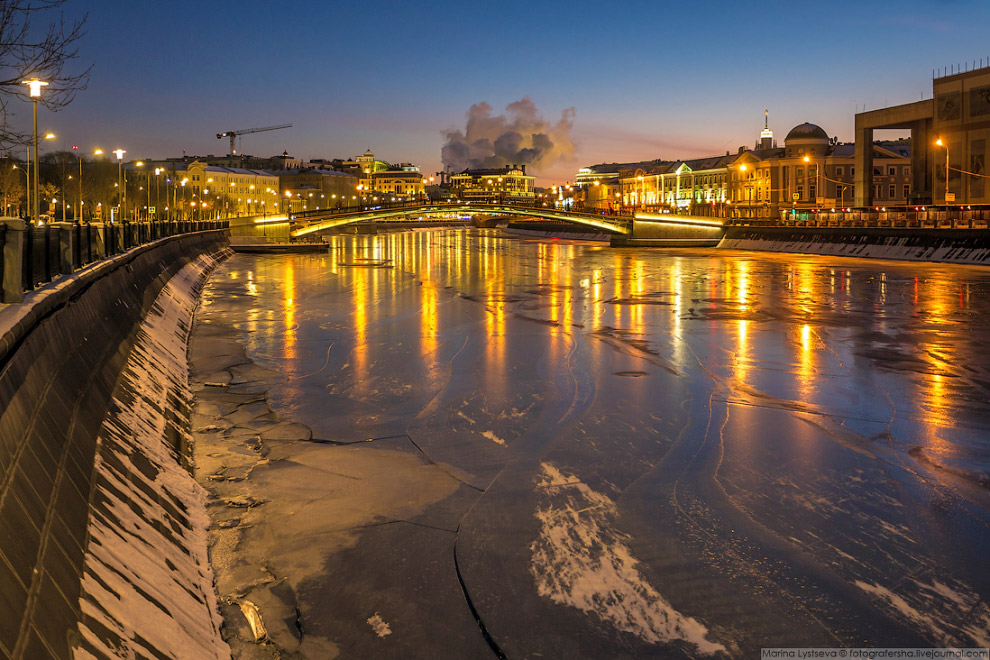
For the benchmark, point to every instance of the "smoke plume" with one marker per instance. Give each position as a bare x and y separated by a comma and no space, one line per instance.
519,137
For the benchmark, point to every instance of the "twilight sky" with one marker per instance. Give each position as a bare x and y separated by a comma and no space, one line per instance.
645,79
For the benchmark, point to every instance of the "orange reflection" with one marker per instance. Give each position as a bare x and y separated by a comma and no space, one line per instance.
429,328
495,342
940,301
359,288
289,309
742,357
806,364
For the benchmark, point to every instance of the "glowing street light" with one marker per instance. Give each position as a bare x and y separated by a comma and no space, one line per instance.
946,145
120,181
34,87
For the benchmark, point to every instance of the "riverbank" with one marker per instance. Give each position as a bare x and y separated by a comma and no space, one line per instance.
103,551
959,246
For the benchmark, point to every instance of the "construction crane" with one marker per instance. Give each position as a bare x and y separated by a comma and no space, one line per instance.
233,135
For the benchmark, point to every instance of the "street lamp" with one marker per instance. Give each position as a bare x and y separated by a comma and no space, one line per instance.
817,183
35,85
946,145
120,181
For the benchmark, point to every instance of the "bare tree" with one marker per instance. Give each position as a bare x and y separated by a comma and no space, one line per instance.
37,41
99,188
12,182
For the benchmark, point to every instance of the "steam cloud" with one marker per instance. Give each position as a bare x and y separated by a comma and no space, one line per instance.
520,136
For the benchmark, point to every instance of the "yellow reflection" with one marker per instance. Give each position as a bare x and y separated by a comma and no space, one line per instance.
567,302
360,296
637,288
289,309
806,364
678,351
804,287
940,300
596,300
495,346
429,328
742,285
742,360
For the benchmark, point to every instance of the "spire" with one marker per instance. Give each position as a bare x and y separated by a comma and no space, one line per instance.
766,135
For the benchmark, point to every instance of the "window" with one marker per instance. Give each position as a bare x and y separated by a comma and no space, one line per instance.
907,171
907,191
891,171
876,192
838,170
892,190
800,192
877,171
852,171
812,192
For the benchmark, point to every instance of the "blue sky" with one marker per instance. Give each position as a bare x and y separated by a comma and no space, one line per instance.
646,79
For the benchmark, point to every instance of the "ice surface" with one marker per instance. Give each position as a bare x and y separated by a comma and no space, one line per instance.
581,560
746,440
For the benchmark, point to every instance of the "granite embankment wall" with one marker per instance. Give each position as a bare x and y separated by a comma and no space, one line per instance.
85,511
960,246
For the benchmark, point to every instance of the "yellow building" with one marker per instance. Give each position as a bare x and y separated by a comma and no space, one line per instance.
309,189
213,191
811,171
510,183
401,184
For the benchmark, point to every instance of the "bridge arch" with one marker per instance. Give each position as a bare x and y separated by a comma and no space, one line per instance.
302,224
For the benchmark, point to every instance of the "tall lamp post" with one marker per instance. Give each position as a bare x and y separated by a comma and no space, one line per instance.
35,85
946,145
818,189
120,182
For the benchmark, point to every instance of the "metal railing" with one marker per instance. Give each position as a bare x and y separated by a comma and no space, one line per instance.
34,255
937,218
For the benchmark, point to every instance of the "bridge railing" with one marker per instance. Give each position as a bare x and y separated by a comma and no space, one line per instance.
930,218
33,255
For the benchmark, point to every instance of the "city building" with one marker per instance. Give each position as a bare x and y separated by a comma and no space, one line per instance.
316,188
510,183
213,191
403,182
811,171
950,135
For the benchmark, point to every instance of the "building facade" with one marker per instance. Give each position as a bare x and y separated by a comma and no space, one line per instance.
316,188
811,171
213,191
402,184
950,136
510,183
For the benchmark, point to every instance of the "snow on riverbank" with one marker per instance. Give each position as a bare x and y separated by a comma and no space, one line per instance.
148,585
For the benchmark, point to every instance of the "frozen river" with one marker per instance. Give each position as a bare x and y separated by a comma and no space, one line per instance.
585,452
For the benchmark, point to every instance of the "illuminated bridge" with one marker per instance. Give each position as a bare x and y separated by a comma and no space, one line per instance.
642,229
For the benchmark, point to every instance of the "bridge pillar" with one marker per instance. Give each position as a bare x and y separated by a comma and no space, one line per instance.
13,259
97,238
66,245
668,232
